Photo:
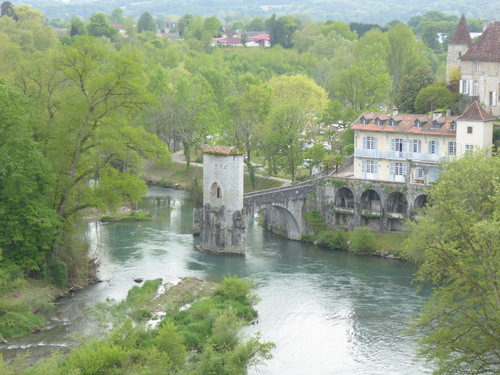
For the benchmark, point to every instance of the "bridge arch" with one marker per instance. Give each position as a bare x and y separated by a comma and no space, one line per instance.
280,220
420,202
344,198
370,201
397,203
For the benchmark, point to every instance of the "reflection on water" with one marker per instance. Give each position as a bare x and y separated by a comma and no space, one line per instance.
328,312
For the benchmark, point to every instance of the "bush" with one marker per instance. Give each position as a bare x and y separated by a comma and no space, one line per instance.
333,239
236,289
19,323
362,241
11,278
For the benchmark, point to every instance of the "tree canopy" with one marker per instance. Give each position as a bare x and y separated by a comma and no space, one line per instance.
456,240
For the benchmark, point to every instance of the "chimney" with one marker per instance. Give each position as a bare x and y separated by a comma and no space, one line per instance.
395,111
448,112
436,115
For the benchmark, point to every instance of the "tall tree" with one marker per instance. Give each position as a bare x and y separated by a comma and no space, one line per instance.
296,102
411,86
457,243
405,53
146,23
27,220
99,26
117,16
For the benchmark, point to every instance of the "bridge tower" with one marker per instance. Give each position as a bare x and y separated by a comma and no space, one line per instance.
221,220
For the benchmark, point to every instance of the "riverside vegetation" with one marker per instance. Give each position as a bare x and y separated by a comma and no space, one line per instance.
199,334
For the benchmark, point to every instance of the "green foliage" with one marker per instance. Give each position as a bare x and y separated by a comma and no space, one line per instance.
11,278
14,323
362,240
95,358
435,98
456,242
236,289
55,272
411,86
316,221
336,240
99,26
195,193
146,23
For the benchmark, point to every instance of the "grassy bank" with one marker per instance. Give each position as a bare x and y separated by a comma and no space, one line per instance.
176,175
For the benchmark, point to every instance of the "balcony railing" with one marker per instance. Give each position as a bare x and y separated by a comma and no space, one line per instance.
397,155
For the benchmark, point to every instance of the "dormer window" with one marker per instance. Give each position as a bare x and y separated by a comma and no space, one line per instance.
453,125
435,125
363,121
418,124
379,122
392,122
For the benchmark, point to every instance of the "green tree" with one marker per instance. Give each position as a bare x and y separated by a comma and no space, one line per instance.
411,86
117,16
256,24
27,220
404,53
212,25
76,27
99,26
457,243
435,98
190,110
146,23
282,29
315,156
295,103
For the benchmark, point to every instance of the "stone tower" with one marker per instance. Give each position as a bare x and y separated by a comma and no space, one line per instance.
457,47
221,220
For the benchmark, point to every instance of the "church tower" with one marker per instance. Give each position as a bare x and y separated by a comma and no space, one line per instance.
221,220
457,47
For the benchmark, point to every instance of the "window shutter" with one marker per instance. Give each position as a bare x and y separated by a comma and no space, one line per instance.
494,98
471,87
364,143
404,145
393,144
374,143
429,151
392,171
375,167
437,148
405,169
363,167
461,87
419,146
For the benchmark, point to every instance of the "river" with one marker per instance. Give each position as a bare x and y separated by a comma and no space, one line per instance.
328,312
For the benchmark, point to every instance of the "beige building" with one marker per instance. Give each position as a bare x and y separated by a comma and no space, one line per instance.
479,64
409,147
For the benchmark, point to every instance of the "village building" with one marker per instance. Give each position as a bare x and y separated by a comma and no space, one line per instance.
410,147
478,63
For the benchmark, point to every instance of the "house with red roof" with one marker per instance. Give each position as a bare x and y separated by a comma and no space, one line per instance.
479,64
410,147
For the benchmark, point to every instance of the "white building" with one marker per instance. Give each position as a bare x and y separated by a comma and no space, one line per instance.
410,147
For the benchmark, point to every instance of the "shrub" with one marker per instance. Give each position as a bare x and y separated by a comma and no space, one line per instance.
19,323
362,240
333,239
236,289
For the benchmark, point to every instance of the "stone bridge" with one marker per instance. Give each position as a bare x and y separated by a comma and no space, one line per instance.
344,203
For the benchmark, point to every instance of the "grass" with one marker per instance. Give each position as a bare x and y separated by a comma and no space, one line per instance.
176,175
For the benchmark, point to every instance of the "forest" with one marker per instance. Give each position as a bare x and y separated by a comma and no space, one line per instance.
83,108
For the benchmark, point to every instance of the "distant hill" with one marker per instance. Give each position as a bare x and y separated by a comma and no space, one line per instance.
364,11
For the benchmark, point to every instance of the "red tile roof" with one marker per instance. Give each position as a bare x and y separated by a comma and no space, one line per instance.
462,35
476,113
260,37
405,123
487,46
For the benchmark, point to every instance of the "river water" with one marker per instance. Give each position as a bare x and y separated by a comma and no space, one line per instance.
328,312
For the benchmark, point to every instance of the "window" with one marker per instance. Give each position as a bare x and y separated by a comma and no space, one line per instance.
493,98
469,129
363,121
370,166
419,173
436,125
433,147
418,124
369,143
452,148
476,66
469,148
453,125
399,144
475,89
416,146
379,122
392,122
398,169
